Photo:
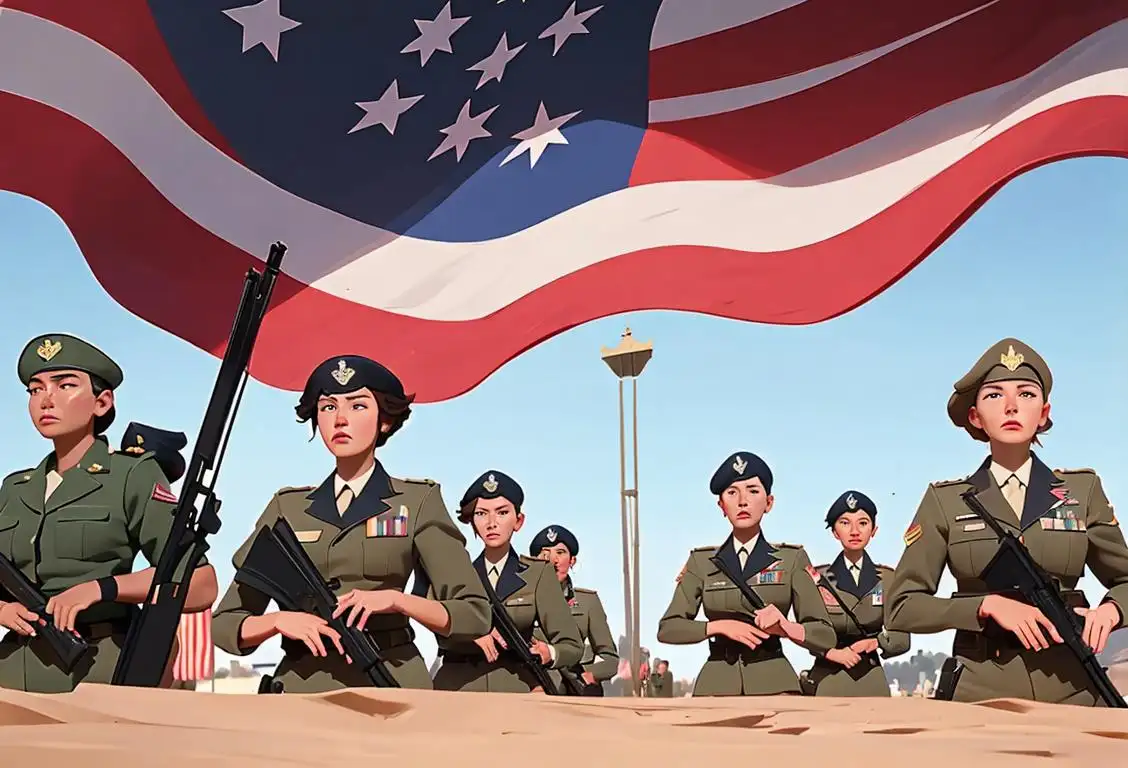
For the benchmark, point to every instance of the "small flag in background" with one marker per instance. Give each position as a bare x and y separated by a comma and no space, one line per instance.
196,660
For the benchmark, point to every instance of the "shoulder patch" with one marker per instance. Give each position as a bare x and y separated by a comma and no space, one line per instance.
295,489
1079,471
419,480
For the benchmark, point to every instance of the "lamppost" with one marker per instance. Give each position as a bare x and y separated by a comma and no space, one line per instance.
626,361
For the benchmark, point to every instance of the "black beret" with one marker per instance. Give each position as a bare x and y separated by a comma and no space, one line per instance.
740,466
550,537
851,501
165,445
493,485
348,373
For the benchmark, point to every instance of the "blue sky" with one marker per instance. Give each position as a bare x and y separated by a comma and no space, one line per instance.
856,402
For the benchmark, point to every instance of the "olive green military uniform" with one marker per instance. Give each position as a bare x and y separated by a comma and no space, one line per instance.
1064,520
661,685
601,657
392,526
864,596
778,574
532,596
87,523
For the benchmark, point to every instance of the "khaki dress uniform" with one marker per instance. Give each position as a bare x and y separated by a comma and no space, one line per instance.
85,524
1065,521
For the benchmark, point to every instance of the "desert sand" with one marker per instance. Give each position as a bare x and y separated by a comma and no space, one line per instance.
104,726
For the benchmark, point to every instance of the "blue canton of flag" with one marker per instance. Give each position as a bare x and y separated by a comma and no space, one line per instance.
454,120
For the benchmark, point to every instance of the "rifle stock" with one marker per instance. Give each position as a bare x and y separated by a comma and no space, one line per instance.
152,633
67,646
1013,569
278,566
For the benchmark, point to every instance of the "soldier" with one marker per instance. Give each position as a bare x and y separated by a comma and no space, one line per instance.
75,523
559,547
1009,648
745,650
853,590
367,531
661,680
528,588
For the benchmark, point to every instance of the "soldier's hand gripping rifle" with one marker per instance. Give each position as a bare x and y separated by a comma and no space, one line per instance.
152,632
517,644
69,647
278,566
1012,569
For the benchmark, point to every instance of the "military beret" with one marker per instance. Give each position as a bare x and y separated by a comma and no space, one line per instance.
551,536
493,485
1006,360
165,445
63,352
740,466
851,501
348,373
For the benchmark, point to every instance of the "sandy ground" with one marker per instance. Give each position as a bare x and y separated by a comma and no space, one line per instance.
102,726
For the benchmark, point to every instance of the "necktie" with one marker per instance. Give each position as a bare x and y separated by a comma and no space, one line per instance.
855,572
493,575
1015,494
742,556
344,499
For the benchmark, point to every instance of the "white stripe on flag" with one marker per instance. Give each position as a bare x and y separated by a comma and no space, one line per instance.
196,659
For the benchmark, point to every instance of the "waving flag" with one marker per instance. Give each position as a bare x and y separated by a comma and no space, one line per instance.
196,658
460,179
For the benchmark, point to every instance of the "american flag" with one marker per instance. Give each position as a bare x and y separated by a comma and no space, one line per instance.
196,658
459,180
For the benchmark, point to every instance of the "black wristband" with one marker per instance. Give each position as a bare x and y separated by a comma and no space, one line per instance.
108,585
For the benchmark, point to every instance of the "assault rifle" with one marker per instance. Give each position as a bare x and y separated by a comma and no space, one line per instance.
70,648
822,581
741,584
278,566
1012,569
517,644
152,632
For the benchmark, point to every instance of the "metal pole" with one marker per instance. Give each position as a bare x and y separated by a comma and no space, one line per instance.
628,623
635,533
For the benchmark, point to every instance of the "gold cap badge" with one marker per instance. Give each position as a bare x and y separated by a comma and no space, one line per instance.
490,484
851,502
1010,359
343,373
48,349
740,465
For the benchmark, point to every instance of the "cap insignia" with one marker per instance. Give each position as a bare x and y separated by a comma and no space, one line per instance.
343,374
48,349
490,484
1010,359
851,502
550,534
740,465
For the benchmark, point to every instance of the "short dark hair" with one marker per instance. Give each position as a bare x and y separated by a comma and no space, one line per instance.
394,411
98,385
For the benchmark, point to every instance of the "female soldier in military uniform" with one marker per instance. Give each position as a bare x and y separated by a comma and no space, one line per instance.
853,590
75,523
367,531
527,587
745,649
1006,647
557,545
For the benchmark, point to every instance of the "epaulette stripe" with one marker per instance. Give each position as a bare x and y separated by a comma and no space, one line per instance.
293,488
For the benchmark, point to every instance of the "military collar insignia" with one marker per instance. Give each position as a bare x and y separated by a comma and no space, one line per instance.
490,484
740,465
94,468
851,502
1010,359
343,374
137,449
48,349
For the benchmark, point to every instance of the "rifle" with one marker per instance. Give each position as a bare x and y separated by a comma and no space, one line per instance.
1013,569
749,593
575,685
152,632
279,567
517,644
845,608
70,648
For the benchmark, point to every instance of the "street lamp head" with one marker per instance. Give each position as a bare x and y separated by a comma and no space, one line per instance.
629,357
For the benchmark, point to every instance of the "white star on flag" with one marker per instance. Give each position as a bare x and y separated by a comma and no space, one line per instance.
435,35
263,23
571,23
536,138
386,110
462,131
493,66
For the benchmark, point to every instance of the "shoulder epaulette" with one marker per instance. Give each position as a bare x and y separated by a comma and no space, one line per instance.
295,489
584,590
530,560
20,476
785,545
953,481
703,549
132,454
884,567
419,480
1079,471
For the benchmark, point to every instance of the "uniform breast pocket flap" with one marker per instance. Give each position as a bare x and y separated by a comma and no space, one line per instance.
80,531
388,525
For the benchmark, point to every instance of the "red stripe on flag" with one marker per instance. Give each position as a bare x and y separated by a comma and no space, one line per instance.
127,28
778,136
196,659
55,150
803,37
